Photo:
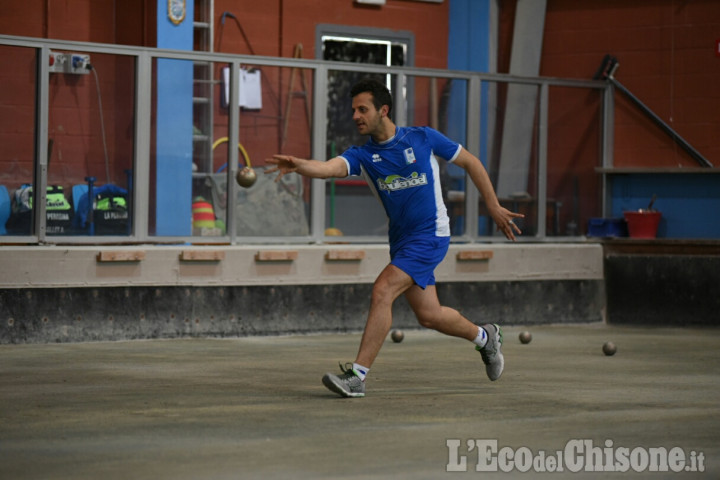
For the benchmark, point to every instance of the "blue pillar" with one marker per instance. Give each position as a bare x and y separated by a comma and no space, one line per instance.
468,49
173,127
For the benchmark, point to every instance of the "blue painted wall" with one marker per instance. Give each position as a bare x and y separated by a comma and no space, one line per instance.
469,50
689,202
173,127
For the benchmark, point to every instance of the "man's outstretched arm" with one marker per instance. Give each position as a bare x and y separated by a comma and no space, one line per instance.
284,164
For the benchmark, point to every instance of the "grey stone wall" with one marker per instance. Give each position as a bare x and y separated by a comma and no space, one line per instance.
121,313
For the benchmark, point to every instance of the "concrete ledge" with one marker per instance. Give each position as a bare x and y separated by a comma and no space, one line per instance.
152,265
660,246
62,294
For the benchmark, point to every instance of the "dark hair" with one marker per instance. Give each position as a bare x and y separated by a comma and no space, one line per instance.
381,95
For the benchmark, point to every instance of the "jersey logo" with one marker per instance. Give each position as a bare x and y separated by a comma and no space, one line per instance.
376,158
393,183
409,156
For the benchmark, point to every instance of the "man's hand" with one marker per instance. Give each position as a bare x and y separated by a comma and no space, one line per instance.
283,164
504,220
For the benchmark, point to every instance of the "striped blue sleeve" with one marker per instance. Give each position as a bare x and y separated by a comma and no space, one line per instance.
442,146
352,160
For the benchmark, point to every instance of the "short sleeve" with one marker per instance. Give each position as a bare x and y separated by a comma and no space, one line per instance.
442,146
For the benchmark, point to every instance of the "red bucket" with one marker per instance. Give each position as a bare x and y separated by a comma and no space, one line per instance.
643,223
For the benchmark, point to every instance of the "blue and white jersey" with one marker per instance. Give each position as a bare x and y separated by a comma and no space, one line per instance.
403,173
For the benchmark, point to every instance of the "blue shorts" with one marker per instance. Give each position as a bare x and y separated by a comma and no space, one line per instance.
418,257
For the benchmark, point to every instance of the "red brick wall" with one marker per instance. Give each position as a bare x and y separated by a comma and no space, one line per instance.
74,121
665,49
275,28
17,116
666,52
272,28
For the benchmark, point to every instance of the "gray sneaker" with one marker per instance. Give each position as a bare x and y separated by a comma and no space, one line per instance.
346,385
491,355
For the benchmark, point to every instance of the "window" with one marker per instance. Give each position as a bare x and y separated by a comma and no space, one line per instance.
356,45
351,208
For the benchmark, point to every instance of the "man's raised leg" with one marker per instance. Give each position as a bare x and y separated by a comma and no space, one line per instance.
430,314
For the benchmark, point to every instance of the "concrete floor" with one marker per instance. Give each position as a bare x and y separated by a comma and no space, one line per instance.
255,407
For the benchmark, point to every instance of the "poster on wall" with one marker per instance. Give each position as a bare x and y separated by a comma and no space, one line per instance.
250,91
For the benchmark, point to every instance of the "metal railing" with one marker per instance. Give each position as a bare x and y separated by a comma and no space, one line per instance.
143,59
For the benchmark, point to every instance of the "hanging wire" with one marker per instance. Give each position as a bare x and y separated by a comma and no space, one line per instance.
102,126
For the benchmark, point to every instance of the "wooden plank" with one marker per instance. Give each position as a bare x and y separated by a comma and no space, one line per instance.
474,255
121,256
202,255
344,255
276,256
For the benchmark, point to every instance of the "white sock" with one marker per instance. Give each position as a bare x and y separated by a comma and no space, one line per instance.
482,338
360,371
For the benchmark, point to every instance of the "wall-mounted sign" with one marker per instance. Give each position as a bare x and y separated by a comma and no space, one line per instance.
176,11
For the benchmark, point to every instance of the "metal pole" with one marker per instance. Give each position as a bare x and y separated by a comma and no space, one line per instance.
319,144
542,161
141,169
608,142
472,196
41,142
233,141
667,128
